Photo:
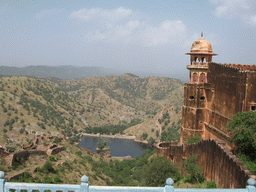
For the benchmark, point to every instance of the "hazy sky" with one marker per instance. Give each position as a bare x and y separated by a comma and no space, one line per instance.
149,35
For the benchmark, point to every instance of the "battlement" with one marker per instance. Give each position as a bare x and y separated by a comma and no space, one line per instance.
240,67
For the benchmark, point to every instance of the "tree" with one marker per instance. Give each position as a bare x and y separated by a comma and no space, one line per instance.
194,139
102,142
151,141
158,170
144,136
242,131
190,167
47,167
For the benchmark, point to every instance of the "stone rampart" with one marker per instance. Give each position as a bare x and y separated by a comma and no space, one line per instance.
218,163
3,153
241,67
54,151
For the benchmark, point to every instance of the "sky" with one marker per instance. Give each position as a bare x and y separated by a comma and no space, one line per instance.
134,35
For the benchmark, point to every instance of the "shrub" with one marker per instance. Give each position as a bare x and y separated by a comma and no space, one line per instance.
158,170
157,133
56,140
52,158
102,142
211,184
47,167
242,130
7,122
47,179
144,136
37,180
190,167
151,141
194,139
22,131
79,153
56,179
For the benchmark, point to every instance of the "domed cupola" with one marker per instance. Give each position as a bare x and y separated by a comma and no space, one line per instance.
200,55
201,46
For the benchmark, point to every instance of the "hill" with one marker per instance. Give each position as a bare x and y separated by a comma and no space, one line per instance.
164,126
66,107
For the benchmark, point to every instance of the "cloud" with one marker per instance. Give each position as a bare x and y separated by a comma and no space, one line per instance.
48,13
230,7
239,9
167,32
253,20
100,14
124,26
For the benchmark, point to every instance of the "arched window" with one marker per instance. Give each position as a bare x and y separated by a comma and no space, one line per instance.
195,59
202,59
194,78
202,78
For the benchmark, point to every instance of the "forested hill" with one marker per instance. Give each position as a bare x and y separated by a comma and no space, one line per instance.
65,107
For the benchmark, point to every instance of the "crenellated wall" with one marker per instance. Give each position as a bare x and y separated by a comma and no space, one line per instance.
219,164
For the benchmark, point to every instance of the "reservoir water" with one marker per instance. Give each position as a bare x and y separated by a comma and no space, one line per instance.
118,147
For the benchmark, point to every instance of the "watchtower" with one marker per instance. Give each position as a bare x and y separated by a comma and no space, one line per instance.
200,55
194,111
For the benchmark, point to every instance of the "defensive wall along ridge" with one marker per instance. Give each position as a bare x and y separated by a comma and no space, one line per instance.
215,93
218,163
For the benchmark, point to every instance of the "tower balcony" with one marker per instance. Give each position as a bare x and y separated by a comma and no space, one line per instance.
198,65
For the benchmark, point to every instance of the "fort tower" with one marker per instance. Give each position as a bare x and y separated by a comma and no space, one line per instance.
215,93
195,103
200,55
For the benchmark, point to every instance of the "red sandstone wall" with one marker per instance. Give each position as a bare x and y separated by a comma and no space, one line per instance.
229,86
229,90
193,111
3,153
218,163
250,99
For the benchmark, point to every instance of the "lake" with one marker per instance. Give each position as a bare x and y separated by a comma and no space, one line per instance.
118,147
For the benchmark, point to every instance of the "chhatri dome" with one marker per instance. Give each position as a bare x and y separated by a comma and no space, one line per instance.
201,46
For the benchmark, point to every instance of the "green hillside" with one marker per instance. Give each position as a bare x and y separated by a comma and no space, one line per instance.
67,107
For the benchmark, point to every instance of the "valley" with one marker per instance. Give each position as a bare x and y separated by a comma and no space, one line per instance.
146,109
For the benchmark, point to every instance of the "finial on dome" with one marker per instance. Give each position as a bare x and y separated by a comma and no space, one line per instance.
202,34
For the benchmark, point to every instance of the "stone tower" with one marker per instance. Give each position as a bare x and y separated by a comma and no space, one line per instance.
194,109
200,55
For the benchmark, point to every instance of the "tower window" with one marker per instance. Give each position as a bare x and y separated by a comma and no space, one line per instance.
191,97
194,77
202,98
202,78
253,108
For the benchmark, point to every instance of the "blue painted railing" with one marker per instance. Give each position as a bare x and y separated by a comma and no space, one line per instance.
84,187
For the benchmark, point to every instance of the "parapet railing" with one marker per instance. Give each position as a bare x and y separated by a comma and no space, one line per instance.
84,187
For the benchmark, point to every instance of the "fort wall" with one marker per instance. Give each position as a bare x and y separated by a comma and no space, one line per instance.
218,163
208,107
